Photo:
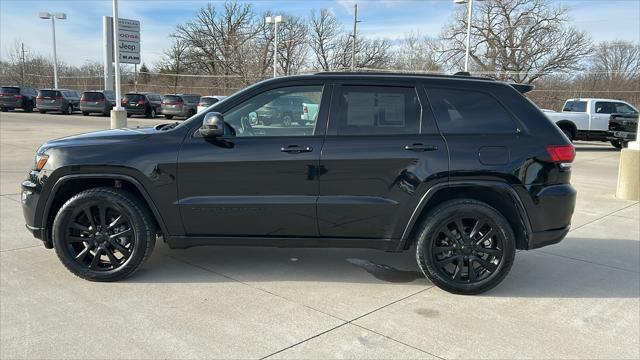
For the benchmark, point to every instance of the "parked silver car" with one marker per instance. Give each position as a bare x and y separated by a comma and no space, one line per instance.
97,101
182,105
63,100
207,101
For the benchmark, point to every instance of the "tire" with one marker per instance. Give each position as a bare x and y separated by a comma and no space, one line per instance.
191,113
169,117
42,111
151,114
28,108
447,272
119,257
85,113
69,110
286,120
128,115
568,133
619,144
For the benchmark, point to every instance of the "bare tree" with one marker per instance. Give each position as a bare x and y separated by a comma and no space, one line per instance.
175,59
519,40
617,61
325,36
417,53
292,44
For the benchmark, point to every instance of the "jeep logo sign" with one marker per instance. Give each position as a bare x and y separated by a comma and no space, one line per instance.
128,41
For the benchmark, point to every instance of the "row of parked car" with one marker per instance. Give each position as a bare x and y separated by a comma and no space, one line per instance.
102,101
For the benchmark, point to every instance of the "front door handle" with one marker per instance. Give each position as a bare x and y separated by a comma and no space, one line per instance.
420,147
296,149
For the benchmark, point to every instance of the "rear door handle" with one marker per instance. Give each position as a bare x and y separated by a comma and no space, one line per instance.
296,149
420,147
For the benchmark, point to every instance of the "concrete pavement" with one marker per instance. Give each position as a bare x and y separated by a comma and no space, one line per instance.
576,299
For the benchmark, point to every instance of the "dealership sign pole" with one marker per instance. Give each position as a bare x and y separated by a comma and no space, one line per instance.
118,114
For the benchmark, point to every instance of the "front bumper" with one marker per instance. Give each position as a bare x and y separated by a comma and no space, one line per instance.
29,197
621,135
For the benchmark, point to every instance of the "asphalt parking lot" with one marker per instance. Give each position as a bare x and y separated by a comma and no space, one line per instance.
576,299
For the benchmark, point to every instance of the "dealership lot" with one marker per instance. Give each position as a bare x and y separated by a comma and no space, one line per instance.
579,298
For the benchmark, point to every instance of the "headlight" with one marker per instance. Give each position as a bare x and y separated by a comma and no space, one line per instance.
41,161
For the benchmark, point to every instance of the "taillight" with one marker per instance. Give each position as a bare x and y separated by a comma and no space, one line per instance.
39,97
59,98
125,101
18,96
562,153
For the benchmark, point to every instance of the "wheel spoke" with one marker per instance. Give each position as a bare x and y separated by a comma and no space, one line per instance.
486,237
76,239
78,226
489,251
472,272
446,261
112,259
123,250
96,259
120,234
441,249
82,254
87,213
458,272
478,225
451,236
119,220
458,223
485,264
102,210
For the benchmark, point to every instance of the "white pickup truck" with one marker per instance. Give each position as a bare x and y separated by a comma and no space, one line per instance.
588,118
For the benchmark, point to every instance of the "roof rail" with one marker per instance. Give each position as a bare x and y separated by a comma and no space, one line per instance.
396,73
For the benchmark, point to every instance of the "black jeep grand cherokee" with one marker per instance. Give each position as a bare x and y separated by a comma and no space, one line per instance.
465,170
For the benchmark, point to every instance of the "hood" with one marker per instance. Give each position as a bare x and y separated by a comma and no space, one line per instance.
100,137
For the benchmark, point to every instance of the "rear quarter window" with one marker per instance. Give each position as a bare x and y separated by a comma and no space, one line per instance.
469,112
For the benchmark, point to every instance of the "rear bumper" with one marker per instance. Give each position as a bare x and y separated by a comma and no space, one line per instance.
173,112
548,237
49,107
93,108
136,111
11,104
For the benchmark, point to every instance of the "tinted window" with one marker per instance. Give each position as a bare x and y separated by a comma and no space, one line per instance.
9,90
623,108
575,106
134,97
49,93
92,96
469,112
605,108
265,114
377,110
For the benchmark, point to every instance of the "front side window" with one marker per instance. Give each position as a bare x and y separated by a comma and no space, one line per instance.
622,108
469,112
277,112
377,110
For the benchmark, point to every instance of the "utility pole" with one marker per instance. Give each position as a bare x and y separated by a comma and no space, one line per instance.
355,25
22,68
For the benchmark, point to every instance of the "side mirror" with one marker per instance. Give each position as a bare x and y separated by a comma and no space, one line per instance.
212,125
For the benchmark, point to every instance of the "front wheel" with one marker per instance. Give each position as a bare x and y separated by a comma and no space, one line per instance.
151,114
619,144
69,110
465,247
85,113
28,108
103,234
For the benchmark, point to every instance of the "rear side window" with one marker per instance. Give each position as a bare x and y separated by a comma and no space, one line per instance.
469,112
575,106
377,110
9,90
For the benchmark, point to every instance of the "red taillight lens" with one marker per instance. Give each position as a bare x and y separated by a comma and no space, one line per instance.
18,96
59,98
562,153
39,97
125,101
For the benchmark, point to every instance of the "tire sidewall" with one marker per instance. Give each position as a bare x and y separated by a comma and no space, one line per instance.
434,221
141,229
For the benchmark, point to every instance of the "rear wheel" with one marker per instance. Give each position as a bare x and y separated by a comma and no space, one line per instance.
103,234
28,107
151,114
42,111
567,132
465,247
85,113
168,117
191,113
619,144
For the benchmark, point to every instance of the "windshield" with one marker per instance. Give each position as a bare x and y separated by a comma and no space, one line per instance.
575,106
9,90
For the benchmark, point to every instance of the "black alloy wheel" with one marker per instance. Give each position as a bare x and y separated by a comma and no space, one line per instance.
465,246
103,234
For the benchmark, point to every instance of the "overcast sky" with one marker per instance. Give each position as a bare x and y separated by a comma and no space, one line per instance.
80,36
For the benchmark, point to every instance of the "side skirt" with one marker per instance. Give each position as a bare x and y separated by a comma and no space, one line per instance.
184,242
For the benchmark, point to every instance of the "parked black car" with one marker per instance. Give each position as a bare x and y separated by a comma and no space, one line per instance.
142,103
65,101
285,110
17,97
622,129
464,170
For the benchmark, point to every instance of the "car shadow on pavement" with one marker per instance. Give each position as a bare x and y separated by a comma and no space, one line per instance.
534,273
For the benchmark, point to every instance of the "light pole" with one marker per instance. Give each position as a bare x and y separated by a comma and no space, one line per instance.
275,20
53,17
468,41
118,114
